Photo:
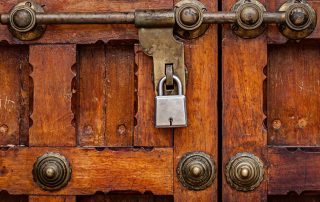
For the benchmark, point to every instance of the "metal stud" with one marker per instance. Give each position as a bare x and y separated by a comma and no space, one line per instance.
249,18
196,171
51,172
22,21
244,172
300,21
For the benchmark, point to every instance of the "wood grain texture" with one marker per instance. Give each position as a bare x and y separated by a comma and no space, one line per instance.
243,62
275,37
84,34
125,198
52,78
120,98
295,198
12,95
92,109
293,171
201,93
128,169
293,95
145,133
52,199
5,197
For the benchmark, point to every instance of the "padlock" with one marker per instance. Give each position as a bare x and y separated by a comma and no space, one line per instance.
171,111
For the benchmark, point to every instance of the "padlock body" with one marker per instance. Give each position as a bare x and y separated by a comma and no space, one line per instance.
170,107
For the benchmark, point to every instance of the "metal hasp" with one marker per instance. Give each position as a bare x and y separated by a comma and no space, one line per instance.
51,172
171,110
244,172
196,171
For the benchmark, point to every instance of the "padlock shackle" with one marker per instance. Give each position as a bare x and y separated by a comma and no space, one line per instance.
176,79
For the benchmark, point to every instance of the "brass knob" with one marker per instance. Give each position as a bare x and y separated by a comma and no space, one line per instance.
249,22
23,22
189,19
196,171
300,20
244,172
51,172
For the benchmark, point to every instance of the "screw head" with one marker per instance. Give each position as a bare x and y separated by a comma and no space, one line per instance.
189,16
299,16
22,18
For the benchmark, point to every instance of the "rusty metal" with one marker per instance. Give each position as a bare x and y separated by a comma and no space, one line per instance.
51,172
165,49
196,171
244,172
189,18
300,19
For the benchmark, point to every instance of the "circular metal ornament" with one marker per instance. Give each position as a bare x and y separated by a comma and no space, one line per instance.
300,20
196,171
249,19
51,172
22,18
244,172
189,19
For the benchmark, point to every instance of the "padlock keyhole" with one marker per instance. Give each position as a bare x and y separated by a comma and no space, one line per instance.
171,121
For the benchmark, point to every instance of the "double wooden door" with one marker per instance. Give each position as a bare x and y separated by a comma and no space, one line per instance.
86,92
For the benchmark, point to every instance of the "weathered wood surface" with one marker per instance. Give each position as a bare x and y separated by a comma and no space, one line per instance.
52,199
14,99
243,62
293,90
293,170
125,198
52,81
84,34
106,96
201,93
129,169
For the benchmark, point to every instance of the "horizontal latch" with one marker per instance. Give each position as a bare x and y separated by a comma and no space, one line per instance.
296,19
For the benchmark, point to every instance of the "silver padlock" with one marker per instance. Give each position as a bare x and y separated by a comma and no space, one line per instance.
171,110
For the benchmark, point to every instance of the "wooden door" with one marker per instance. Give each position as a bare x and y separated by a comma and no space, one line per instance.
271,110
86,92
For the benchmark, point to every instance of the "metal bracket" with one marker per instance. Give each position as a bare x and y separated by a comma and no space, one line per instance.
165,49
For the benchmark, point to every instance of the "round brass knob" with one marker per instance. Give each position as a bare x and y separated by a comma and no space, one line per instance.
51,172
196,171
300,21
23,23
244,172
189,19
249,18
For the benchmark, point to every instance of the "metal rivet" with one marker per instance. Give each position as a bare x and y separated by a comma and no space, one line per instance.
244,172
249,15
276,124
189,16
302,123
196,171
4,129
122,130
22,18
51,172
299,16
87,130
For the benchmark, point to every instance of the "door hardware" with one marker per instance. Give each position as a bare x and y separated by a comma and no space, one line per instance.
196,171
190,19
244,172
51,172
171,110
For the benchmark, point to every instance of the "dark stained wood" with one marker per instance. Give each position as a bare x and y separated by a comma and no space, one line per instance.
145,133
293,171
201,133
5,197
52,199
52,78
13,99
84,34
120,91
125,198
293,94
295,198
128,169
92,109
243,62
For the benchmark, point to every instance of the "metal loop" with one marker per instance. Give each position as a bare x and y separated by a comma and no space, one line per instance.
176,79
